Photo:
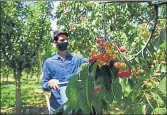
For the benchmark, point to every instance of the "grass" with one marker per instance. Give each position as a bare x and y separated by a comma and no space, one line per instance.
31,95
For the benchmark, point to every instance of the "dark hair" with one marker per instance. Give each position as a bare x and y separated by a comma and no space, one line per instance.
57,33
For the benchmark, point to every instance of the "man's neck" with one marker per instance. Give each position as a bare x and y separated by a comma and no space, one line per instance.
63,54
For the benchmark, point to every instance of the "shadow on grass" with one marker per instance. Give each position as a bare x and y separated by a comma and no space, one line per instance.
30,91
30,109
7,82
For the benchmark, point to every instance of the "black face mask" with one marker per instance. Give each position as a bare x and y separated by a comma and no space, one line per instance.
62,45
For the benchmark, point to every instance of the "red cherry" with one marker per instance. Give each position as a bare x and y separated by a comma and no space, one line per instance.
98,41
128,72
99,54
101,44
91,60
122,49
105,57
97,88
123,74
120,74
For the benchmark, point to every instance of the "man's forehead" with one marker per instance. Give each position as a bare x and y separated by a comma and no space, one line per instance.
60,37
63,35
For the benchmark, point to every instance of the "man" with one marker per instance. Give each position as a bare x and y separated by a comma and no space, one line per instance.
60,68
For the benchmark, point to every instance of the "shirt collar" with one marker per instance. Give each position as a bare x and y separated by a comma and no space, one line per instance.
57,56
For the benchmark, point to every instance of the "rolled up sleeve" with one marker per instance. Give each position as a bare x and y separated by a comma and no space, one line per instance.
83,60
46,76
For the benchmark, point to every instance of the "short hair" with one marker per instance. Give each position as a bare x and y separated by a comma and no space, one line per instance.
57,33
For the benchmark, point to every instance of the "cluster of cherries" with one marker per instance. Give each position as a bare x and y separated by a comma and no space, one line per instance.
122,73
104,56
106,53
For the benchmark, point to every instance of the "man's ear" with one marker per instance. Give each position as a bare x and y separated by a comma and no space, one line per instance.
55,41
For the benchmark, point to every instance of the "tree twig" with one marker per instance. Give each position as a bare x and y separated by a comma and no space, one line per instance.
152,32
123,57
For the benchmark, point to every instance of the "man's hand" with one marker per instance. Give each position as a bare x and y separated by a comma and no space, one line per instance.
53,83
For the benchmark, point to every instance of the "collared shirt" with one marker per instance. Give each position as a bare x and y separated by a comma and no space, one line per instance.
57,68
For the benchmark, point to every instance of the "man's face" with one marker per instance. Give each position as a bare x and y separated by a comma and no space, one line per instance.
62,42
62,38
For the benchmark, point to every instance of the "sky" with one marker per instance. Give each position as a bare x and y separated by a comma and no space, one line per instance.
53,22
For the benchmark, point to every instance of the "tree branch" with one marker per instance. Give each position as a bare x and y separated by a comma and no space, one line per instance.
162,3
152,32
121,1
123,57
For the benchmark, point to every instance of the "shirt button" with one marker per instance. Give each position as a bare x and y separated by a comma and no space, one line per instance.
63,74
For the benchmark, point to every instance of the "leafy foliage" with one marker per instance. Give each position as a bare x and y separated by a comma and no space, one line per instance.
162,86
130,25
25,34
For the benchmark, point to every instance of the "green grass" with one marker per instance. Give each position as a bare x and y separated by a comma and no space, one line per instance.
31,94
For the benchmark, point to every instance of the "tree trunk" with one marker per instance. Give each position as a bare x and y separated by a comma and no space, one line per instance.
32,72
17,76
27,78
7,75
40,64
38,74
2,75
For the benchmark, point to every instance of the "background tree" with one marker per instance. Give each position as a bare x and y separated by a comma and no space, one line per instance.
24,29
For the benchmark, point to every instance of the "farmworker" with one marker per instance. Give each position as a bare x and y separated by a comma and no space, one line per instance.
58,70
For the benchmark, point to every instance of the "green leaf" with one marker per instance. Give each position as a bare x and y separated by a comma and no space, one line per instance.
163,68
135,94
68,110
117,90
143,108
123,84
109,97
127,90
90,85
72,92
93,68
98,100
163,45
139,110
61,107
84,91
104,104
83,66
114,70
163,35
162,86
82,99
157,43
83,74
105,76
137,59
58,14
159,111
157,98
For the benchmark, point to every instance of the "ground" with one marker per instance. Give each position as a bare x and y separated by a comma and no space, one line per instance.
33,98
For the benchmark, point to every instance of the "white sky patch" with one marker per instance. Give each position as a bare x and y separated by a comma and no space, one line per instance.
54,21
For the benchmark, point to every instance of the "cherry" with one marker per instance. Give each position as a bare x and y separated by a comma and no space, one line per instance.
98,41
122,49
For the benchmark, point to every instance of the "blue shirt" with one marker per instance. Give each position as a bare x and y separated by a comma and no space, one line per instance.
62,70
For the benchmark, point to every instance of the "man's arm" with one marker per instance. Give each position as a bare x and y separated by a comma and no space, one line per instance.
46,76
83,60
47,81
